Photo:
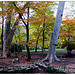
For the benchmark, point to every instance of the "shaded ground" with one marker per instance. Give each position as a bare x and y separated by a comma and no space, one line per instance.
65,64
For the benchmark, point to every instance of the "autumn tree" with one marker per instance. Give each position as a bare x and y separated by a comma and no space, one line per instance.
10,33
67,32
43,17
2,25
51,56
7,29
0,36
27,29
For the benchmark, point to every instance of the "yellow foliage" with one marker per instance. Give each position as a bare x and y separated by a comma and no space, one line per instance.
67,29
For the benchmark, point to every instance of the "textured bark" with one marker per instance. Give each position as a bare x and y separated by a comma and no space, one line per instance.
51,56
6,42
9,37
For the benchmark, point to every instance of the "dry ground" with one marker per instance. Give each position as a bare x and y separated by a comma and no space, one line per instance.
67,63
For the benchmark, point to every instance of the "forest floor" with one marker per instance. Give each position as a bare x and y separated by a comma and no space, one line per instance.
66,63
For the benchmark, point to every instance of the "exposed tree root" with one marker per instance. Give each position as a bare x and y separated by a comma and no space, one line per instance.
46,58
51,58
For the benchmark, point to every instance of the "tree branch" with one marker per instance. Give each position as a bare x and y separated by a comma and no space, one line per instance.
10,36
20,14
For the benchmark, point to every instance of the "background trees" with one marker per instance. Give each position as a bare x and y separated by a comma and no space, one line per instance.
39,25
67,33
9,9
12,9
43,22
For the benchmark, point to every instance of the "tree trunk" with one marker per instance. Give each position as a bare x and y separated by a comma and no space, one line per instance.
2,26
19,40
2,31
69,46
35,48
27,30
6,42
51,56
36,44
43,38
11,32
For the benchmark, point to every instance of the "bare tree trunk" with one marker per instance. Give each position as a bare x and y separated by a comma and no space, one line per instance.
43,38
19,41
2,27
6,42
35,47
27,30
9,34
51,56
36,44
2,32
27,27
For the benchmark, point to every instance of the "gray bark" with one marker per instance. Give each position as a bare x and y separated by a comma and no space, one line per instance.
51,56
9,33
6,42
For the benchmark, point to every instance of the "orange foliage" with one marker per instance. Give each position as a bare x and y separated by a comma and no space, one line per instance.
67,29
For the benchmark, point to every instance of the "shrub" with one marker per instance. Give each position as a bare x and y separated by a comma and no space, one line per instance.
69,45
0,48
16,48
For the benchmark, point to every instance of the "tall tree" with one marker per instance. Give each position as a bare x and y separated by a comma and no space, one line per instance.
36,41
10,33
51,56
43,36
2,26
67,29
7,29
27,30
67,34
43,17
